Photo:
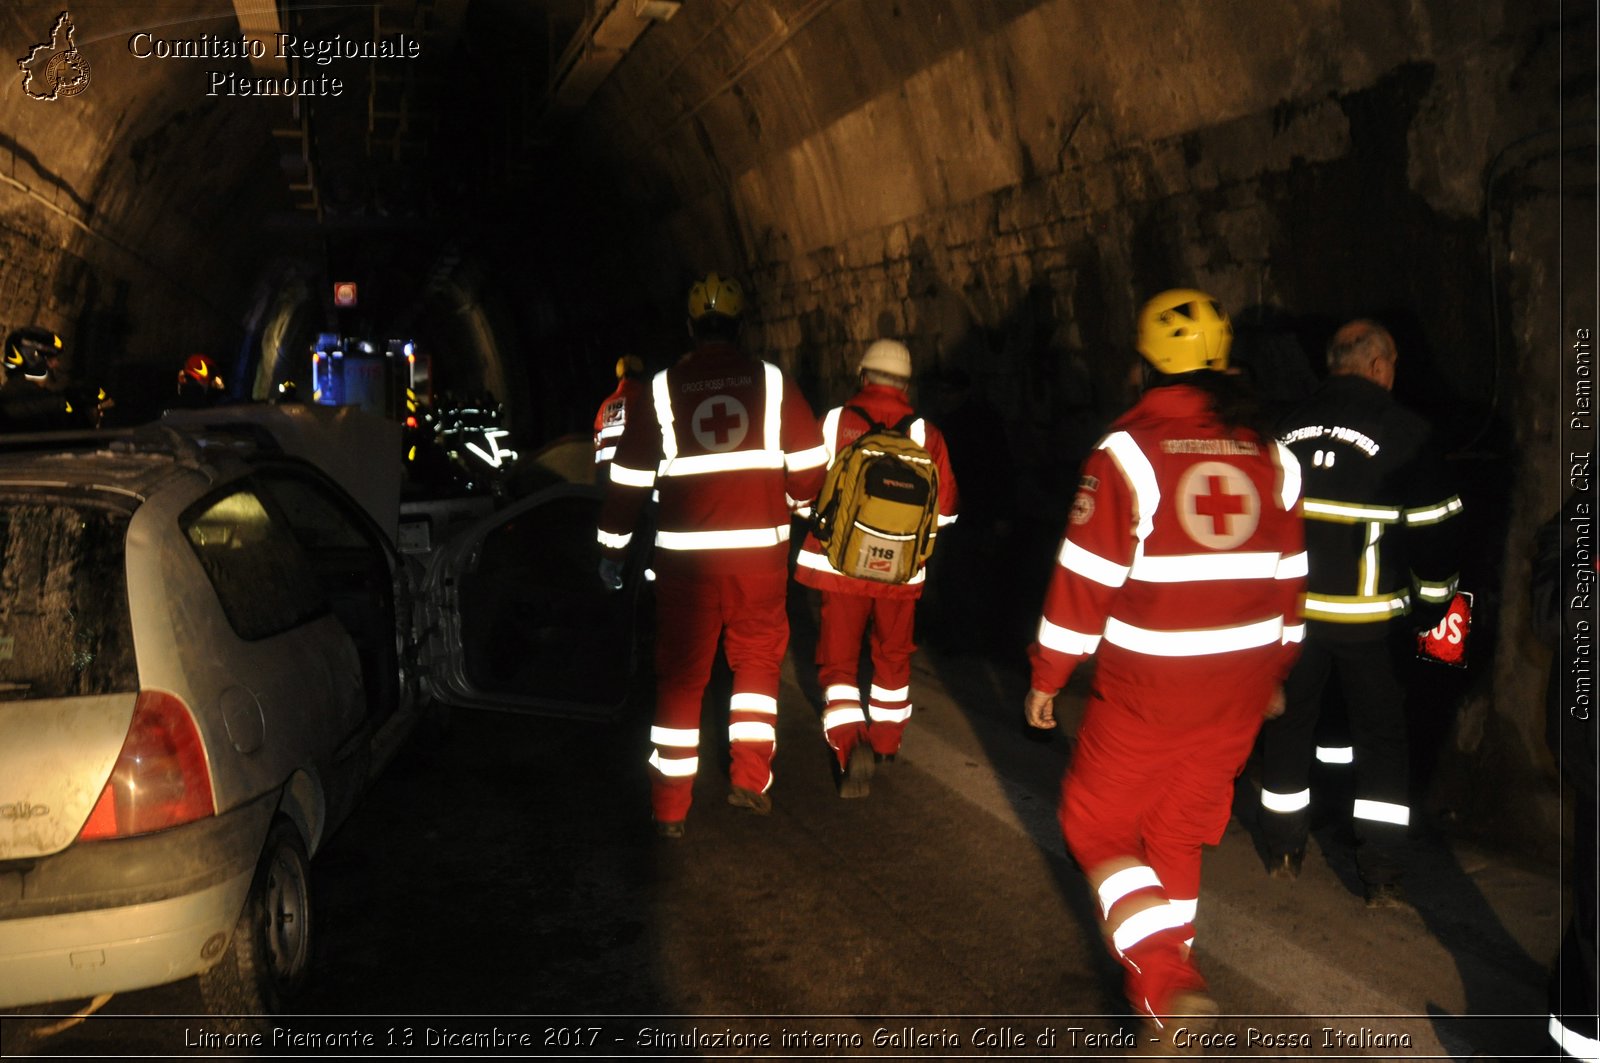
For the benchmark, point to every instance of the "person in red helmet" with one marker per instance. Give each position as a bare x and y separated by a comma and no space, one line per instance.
862,732
1181,569
199,383
733,448
612,416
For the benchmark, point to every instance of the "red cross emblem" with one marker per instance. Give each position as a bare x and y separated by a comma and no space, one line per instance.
720,423
1218,505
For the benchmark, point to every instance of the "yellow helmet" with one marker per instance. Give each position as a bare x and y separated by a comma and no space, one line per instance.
630,365
1183,330
718,295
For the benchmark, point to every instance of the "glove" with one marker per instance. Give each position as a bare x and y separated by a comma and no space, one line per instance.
1425,616
611,573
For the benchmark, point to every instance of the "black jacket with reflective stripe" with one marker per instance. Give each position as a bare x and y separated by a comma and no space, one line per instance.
1382,521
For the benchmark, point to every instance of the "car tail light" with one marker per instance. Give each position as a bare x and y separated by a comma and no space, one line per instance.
160,779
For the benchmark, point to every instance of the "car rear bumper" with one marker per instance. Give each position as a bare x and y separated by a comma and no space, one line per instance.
111,916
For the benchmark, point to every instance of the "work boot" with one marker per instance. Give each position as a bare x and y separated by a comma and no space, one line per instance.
1286,866
1192,1011
857,778
883,758
669,828
739,797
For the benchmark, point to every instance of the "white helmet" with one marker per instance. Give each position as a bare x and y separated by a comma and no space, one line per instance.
888,356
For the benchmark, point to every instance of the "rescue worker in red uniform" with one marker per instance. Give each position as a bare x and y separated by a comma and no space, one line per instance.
613,414
732,448
850,606
1182,565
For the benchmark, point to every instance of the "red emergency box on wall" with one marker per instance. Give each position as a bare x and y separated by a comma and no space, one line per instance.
1447,643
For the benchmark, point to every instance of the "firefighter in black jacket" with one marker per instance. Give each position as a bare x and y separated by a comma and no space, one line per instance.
1383,546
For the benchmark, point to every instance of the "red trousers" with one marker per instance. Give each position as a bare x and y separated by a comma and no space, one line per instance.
1144,795
692,612
845,619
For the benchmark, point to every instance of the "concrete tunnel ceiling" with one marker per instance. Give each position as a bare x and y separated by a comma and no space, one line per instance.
1000,182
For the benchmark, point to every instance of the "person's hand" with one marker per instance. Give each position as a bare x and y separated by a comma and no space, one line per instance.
1040,710
611,573
1275,704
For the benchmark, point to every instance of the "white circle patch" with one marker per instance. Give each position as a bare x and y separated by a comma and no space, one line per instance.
1218,505
720,423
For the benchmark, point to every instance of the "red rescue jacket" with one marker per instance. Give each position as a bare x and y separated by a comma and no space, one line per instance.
732,447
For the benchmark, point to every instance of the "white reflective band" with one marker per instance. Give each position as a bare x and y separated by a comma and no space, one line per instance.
803,512
621,474
747,702
1574,1043
752,731
1349,512
604,454
662,398
885,694
772,428
1065,640
613,541
842,692
1434,591
1293,566
814,458
1141,476
1290,493
723,540
675,768
1194,643
1353,606
1197,568
727,461
1382,812
1434,514
677,738
880,714
610,431
1336,754
1187,909
1369,559
1294,633
1075,558
1285,802
918,432
1141,925
819,562
1119,884
943,520
650,574
830,431
842,715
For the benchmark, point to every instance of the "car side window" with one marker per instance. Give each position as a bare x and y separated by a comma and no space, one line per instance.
316,518
261,575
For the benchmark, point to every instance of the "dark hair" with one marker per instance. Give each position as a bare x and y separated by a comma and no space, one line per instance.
1233,400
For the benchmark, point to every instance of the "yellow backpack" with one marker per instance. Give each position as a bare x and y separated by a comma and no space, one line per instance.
878,511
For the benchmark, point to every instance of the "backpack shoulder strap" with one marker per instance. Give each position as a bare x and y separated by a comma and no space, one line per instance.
873,425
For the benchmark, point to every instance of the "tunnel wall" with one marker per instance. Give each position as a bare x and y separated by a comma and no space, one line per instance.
1001,184
130,213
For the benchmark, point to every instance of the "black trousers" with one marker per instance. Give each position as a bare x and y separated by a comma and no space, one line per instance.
1374,698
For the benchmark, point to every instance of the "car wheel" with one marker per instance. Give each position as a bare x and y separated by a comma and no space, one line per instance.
267,960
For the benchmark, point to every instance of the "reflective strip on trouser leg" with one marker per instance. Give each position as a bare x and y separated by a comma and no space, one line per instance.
1382,812
1297,802
755,636
889,696
843,722
1336,754
753,725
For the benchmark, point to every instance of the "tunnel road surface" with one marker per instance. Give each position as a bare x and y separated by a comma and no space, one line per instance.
509,880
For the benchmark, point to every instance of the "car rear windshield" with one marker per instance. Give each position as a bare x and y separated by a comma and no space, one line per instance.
65,630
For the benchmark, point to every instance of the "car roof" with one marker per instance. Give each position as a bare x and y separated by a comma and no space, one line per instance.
130,464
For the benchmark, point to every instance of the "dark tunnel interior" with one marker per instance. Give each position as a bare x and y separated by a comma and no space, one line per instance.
524,189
